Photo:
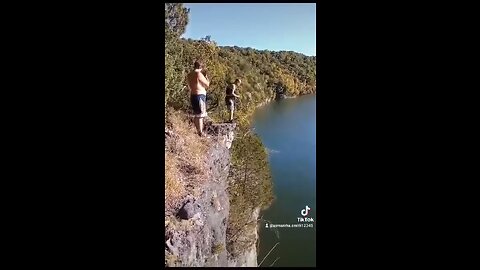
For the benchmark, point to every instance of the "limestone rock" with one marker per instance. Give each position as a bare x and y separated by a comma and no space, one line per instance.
189,209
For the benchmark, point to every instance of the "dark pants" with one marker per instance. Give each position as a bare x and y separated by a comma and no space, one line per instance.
199,105
230,102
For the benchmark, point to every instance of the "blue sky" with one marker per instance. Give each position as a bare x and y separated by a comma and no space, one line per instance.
275,27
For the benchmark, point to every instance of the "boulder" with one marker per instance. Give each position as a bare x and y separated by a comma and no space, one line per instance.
189,209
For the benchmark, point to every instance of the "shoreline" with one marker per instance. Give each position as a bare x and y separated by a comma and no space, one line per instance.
269,100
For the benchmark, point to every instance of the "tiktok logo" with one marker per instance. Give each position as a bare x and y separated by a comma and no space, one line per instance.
304,212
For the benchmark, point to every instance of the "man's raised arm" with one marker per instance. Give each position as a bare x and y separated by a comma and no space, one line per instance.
203,80
233,91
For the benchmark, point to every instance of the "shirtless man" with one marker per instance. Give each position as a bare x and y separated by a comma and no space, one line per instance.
197,83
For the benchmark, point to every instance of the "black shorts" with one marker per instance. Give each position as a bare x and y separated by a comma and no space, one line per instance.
230,102
199,105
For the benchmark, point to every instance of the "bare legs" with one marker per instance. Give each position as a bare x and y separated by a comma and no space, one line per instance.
232,108
199,118
231,114
199,125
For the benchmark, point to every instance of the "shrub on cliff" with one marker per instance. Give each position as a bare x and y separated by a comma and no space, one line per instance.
250,187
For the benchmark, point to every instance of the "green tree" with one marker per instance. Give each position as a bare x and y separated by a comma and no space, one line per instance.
176,18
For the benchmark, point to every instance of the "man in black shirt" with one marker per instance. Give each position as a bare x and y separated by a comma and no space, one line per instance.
231,95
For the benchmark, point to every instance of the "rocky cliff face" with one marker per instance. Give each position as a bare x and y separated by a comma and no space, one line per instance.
196,237
249,258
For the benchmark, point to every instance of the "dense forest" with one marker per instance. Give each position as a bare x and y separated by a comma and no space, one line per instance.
263,73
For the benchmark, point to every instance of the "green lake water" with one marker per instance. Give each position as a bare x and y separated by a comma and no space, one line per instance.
288,129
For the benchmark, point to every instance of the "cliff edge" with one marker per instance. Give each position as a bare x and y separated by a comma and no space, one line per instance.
195,233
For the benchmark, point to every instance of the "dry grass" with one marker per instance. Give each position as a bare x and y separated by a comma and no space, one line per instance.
216,249
185,156
174,185
171,260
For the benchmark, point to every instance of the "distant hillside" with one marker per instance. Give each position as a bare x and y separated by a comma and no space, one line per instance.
261,71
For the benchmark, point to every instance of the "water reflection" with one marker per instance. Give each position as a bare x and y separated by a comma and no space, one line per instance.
288,127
